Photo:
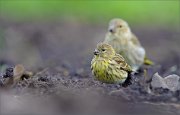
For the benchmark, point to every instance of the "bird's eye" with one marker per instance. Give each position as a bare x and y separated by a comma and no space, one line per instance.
103,50
120,26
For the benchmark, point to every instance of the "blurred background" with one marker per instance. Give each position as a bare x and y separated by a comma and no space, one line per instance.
38,32
50,33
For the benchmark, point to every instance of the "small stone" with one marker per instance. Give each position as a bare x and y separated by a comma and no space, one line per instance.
18,72
158,81
172,82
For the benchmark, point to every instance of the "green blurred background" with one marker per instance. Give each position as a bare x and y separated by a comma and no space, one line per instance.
47,27
148,12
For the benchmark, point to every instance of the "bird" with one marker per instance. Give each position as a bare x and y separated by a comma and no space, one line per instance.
125,43
109,67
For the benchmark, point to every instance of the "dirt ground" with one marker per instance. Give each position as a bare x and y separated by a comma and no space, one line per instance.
59,53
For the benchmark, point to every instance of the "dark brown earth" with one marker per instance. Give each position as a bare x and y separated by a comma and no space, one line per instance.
59,53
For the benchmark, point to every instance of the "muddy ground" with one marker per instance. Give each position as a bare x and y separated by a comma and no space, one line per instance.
59,53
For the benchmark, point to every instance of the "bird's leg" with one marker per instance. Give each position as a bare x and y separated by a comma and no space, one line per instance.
145,74
146,85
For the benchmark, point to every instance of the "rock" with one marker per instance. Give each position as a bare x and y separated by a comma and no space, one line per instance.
171,82
18,72
158,81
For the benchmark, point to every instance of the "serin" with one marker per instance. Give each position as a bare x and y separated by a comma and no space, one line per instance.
110,67
120,37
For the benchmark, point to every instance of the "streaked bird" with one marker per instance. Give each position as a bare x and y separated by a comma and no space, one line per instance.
110,67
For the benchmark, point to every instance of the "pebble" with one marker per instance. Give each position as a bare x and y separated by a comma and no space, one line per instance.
171,82
157,81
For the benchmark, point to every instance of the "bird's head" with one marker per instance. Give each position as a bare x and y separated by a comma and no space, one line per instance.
119,27
104,50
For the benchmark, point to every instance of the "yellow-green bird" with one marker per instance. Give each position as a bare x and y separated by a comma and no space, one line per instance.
120,37
110,67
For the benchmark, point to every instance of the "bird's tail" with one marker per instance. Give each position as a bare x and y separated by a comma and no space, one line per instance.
148,61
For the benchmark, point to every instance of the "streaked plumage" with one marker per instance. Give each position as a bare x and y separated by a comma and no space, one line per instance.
109,67
126,43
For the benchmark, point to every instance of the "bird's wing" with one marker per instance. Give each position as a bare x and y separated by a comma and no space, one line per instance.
135,40
120,61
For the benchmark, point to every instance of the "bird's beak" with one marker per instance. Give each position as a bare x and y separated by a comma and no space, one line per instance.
96,52
111,29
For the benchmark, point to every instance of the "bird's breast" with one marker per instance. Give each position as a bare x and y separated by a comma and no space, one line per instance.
119,44
99,67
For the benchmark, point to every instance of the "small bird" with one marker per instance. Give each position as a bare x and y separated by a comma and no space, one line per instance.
110,67
120,37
